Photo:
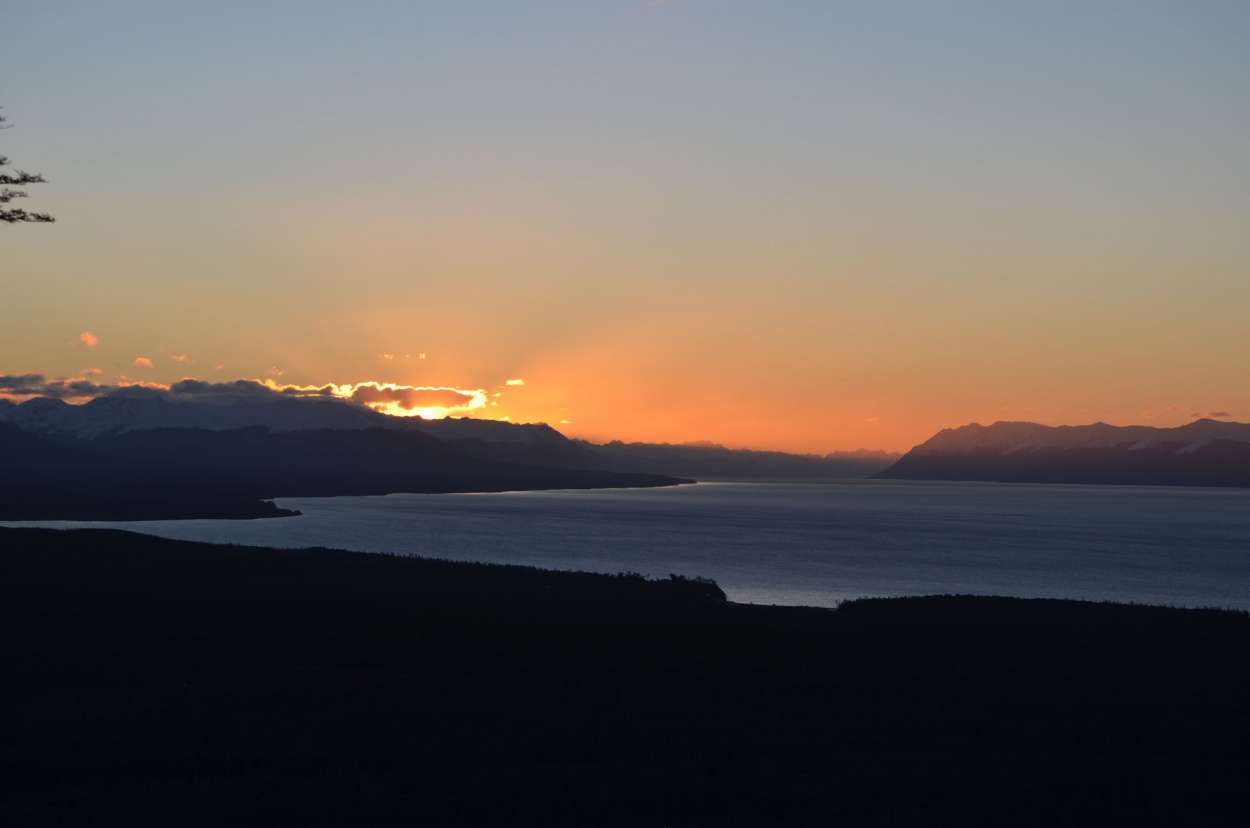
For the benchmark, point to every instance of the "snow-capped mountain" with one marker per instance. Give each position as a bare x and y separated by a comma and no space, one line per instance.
1013,437
121,413
141,410
1202,453
143,456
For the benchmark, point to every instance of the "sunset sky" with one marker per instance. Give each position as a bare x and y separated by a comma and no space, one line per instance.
806,225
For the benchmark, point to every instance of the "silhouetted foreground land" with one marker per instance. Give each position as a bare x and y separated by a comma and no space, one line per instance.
153,682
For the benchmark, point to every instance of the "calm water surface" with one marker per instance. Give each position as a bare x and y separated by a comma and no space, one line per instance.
811,543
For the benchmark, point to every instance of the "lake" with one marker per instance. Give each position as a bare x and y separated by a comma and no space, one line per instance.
812,543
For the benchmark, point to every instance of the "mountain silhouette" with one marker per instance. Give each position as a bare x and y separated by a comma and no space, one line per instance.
1202,453
150,457
116,437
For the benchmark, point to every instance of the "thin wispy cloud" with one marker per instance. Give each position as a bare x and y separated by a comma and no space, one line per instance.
1210,415
143,362
89,339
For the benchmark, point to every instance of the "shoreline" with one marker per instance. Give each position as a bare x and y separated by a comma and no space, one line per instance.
27,503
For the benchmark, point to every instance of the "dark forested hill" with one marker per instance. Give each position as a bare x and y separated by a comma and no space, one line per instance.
147,682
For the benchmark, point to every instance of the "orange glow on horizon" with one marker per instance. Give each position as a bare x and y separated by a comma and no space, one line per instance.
608,394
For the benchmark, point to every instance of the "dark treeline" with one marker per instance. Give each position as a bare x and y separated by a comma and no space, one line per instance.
154,682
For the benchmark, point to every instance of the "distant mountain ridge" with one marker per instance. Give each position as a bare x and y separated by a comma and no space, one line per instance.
146,456
1202,453
235,406
221,450
143,410
119,413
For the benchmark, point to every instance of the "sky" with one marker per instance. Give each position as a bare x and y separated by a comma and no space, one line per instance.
804,226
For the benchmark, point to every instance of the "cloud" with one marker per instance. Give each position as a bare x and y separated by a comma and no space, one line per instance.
179,357
190,386
37,385
22,383
410,398
1148,414
1210,415
91,372
1177,407
89,339
128,388
239,388
388,357
143,362
515,382
387,398
872,419
276,371
74,389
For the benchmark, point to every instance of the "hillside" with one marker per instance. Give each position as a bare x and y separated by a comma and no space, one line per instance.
153,682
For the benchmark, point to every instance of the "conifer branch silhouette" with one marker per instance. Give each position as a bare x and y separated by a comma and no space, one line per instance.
19,178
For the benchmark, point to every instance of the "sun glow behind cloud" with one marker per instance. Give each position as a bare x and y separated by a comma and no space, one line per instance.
393,399
415,401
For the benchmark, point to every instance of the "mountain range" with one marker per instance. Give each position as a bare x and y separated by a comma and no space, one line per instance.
223,450
154,456
229,406
1202,453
